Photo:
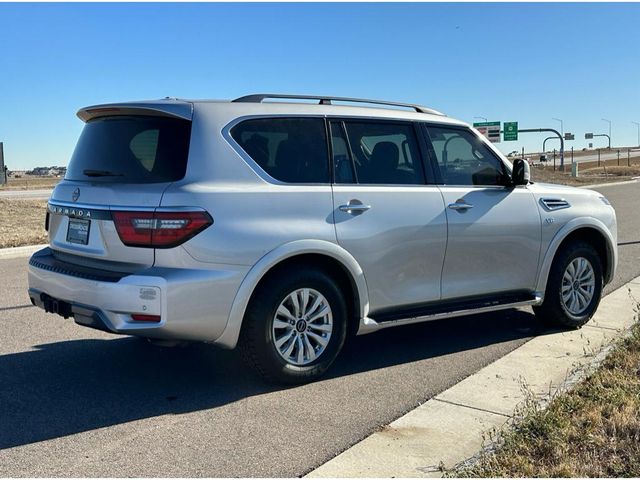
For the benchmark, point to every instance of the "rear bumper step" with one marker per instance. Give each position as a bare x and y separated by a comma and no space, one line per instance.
82,315
45,260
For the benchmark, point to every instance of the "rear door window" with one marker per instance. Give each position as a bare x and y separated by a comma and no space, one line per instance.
292,150
131,149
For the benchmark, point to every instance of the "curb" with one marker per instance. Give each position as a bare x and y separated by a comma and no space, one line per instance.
448,429
598,185
16,252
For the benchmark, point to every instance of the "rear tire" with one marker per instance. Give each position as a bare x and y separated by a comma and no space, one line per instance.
574,287
294,327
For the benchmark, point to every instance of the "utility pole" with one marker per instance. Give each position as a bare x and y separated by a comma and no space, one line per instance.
3,170
609,122
637,124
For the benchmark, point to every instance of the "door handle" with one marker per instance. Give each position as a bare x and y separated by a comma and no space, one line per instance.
460,205
353,207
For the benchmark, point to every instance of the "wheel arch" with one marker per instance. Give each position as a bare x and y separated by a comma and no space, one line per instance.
319,253
589,230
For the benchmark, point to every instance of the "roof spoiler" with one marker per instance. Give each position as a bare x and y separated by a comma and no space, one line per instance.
160,108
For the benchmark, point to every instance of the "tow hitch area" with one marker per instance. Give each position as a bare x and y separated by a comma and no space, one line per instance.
52,305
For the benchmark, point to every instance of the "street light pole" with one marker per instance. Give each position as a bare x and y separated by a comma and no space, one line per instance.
609,122
561,125
483,118
637,125
561,143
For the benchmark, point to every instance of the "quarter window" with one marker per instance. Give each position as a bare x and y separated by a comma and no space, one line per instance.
382,153
463,159
292,150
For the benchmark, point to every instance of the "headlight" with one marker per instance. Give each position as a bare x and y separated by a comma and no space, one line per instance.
605,201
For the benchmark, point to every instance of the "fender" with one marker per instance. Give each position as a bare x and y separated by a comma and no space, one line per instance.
572,225
229,337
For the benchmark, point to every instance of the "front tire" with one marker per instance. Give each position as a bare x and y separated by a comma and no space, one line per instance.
574,287
294,326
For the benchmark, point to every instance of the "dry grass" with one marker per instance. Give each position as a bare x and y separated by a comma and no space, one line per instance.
587,174
591,431
22,222
615,171
28,182
632,162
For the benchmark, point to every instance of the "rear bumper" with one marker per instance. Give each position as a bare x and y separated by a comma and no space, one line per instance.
192,304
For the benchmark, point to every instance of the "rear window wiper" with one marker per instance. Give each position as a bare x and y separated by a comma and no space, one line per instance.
101,173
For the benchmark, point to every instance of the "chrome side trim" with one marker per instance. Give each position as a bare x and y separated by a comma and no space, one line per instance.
68,206
369,325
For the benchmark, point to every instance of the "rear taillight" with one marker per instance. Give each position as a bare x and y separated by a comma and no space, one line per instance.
159,229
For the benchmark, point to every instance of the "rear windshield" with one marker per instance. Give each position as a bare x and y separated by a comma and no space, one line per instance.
127,149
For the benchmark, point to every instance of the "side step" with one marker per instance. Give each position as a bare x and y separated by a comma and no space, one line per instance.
446,309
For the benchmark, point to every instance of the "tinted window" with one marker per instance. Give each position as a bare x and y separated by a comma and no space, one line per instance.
341,158
384,153
292,150
464,159
131,150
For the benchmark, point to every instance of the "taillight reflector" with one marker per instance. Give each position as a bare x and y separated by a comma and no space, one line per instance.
145,318
159,229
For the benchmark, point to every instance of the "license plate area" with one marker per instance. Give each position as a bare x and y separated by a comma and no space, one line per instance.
78,231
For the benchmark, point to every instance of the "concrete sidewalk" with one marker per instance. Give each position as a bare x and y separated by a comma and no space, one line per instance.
15,252
448,429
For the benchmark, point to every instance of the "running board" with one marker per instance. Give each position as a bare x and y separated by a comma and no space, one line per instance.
369,325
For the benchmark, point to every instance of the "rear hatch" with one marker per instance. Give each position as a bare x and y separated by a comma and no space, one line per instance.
125,158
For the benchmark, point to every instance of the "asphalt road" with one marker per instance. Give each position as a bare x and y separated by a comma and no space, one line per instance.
78,402
42,194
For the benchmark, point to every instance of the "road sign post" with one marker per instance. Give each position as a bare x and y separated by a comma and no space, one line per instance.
557,133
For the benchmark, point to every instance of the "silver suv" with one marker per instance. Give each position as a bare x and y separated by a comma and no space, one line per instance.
284,226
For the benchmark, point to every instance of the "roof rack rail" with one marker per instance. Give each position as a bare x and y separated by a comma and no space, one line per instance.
326,100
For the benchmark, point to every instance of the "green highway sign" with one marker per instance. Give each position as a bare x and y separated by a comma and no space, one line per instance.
491,130
510,131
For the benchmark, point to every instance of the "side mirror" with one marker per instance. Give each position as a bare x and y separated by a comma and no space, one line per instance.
521,173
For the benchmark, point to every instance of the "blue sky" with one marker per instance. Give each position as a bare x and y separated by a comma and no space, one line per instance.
508,62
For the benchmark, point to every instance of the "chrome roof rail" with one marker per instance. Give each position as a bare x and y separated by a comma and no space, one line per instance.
326,100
